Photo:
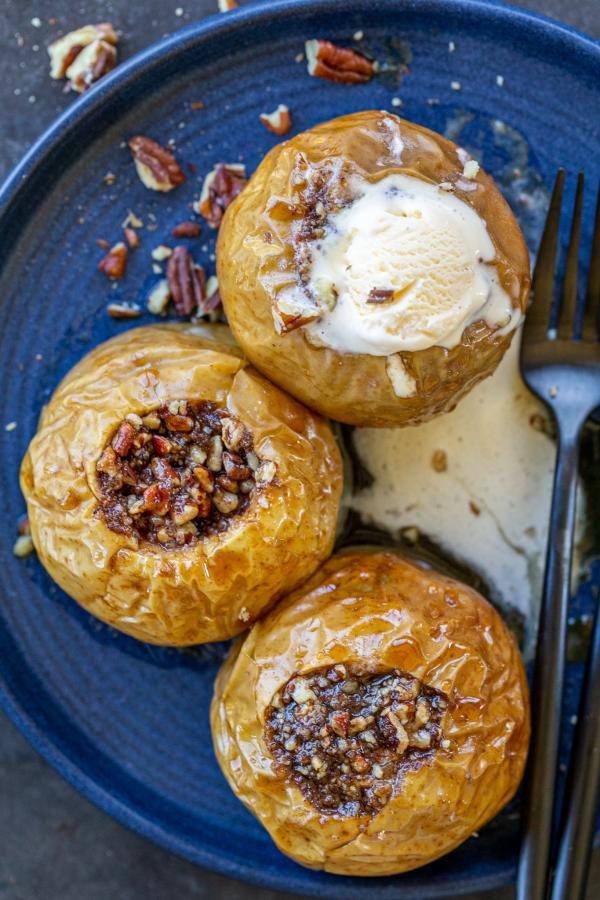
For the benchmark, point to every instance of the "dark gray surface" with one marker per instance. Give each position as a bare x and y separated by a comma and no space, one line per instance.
53,844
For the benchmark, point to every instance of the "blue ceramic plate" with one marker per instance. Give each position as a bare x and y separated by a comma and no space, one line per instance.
126,723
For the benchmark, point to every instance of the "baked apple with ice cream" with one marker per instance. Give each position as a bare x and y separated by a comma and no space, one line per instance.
373,270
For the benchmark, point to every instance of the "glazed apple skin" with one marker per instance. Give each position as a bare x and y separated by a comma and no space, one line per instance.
215,588
355,388
379,611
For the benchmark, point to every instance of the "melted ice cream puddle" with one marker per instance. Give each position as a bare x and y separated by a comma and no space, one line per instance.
488,502
423,247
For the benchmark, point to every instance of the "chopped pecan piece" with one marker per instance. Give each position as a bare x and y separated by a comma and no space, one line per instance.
212,300
65,50
115,261
94,61
327,60
220,188
157,167
279,121
187,281
123,439
226,5
186,230
156,500
23,526
158,298
339,723
380,295
293,310
23,546
162,445
132,237
266,472
205,479
123,310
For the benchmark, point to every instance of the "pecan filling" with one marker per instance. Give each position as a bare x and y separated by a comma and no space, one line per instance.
321,190
345,738
179,473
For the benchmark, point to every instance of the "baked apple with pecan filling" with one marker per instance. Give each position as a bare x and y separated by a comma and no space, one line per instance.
173,491
375,718
373,270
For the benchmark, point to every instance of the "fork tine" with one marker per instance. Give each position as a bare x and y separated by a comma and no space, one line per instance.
568,301
591,322
538,316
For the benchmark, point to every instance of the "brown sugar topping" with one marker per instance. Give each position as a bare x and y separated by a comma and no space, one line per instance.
344,738
179,473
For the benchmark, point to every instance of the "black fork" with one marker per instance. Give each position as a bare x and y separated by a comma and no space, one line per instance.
561,366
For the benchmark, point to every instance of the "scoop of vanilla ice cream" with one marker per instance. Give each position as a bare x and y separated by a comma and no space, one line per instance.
423,244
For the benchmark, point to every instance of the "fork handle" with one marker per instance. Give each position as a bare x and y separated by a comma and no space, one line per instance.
547,688
583,784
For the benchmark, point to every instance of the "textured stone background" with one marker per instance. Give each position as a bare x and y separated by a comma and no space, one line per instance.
53,844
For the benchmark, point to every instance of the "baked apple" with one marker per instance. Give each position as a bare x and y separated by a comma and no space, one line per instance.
173,491
373,270
375,718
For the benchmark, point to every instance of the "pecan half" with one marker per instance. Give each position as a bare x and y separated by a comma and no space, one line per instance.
115,261
186,280
157,167
279,121
327,60
65,50
220,188
94,61
186,229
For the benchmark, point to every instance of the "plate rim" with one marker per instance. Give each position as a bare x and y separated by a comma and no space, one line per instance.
60,133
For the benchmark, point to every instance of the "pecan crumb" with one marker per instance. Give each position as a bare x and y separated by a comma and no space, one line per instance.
475,509
539,423
327,60
161,253
157,167
439,461
105,245
279,121
186,229
196,105
226,5
23,546
115,261
220,188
